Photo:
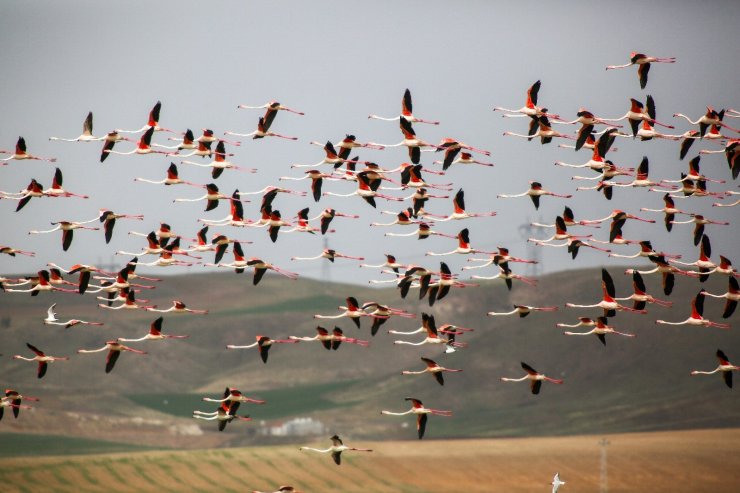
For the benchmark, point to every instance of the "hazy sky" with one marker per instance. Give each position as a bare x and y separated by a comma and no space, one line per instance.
339,62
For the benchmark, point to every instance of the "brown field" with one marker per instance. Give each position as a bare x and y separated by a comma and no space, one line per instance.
682,461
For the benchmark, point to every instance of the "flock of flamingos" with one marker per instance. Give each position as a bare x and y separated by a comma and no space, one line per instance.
371,182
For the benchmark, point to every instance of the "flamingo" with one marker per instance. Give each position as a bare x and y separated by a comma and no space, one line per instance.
669,209
431,367
410,141
725,267
666,270
731,153
211,197
178,307
601,329
453,147
711,118
128,304
641,179
346,145
154,334
271,108
700,221
561,233
330,340
56,189
152,123
535,192
535,378
224,415
367,189
506,274
617,214
543,130
87,132
432,335
234,398
33,190
582,322
188,142
328,215
639,113
465,158
108,218
421,412
67,228
608,302
725,368
336,449
317,179
162,235
263,344
732,296
7,250
109,141
459,212
704,264
51,319
648,132
143,147
42,358
615,233
263,130
530,108
643,62
239,263
84,271
114,349
640,296
524,310
694,173
691,135
330,255
21,154
351,311
441,287
501,258
406,112
381,313
39,284
697,318
332,158
556,483
463,246
220,163
13,399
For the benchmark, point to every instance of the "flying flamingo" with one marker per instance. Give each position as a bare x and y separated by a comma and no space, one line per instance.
51,319
317,179
501,258
13,399
406,112
711,117
535,192
506,274
535,378
39,284
154,334
641,179
220,163
239,263
530,108
263,130
463,246
367,190
608,302
666,270
178,307
143,147
691,135
431,367
128,304
640,296
601,329
336,449
459,212
263,344
328,215
87,132
700,221
669,210
441,287
85,273
600,149
234,397
271,110
615,233
561,233
390,262
421,412
725,368
188,142
108,218
56,189
432,335
67,228
109,141
725,267
582,322
524,310
14,251
694,173
697,318
33,190
732,296
543,130
639,113
332,158
211,197
731,153
410,141
114,349
328,254
21,154
152,123
465,158
224,415
330,340
648,132
453,147
381,314
643,62
42,358
704,264
351,311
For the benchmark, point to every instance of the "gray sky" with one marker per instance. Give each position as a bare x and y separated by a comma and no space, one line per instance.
339,62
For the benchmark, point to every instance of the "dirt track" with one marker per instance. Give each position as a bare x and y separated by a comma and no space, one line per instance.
672,462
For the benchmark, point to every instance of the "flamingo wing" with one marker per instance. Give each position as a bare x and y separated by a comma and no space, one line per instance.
110,361
421,424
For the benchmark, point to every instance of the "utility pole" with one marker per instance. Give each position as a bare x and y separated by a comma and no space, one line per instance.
604,487
325,273
527,231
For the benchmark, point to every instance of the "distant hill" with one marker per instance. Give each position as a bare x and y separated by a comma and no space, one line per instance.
637,384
